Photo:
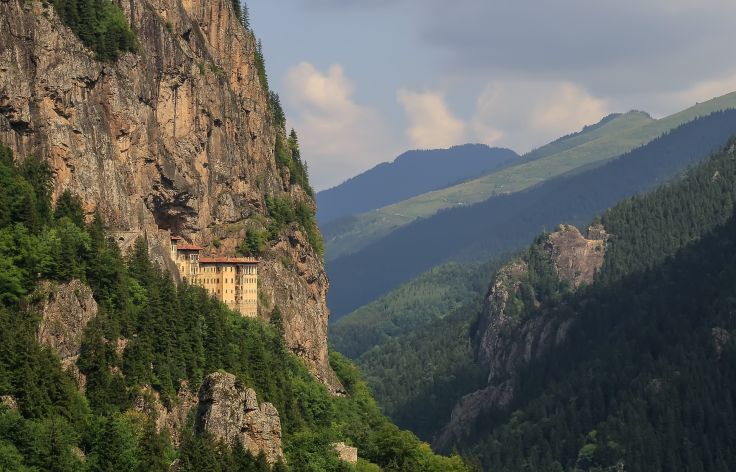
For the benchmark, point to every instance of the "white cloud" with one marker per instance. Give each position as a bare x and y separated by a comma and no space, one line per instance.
338,136
518,114
567,108
705,90
431,123
525,114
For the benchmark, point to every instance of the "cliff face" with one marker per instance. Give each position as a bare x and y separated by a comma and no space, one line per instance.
177,139
65,311
230,413
224,409
506,341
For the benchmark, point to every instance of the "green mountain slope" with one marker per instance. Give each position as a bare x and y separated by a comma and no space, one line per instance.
172,337
615,137
412,173
509,222
434,364
433,295
645,379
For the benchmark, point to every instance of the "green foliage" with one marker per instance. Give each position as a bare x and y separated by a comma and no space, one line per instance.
100,24
70,206
379,440
641,372
431,296
413,344
277,111
237,9
172,333
245,17
283,212
261,66
418,377
254,243
288,157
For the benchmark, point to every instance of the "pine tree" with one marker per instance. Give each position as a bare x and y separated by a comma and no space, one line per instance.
245,16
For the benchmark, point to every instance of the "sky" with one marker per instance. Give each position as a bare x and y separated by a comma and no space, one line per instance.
362,81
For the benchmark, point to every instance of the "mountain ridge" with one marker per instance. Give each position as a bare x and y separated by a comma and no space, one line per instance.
594,147
469,233
411,173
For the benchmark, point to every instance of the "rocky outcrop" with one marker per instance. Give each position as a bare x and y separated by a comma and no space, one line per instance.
9,402
173,419
577,258
66,309
176,139
510,333
346,453
230,412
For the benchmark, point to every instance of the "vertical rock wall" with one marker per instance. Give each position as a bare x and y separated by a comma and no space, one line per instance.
176,139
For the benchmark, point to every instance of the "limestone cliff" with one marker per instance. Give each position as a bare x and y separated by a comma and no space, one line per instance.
224,409
175,139
230,412
65,309
173,419
511,333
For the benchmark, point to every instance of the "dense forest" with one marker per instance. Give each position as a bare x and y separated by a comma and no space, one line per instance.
409,368
101,26
413,345
433,295
507,222
418,377
174,333
646,377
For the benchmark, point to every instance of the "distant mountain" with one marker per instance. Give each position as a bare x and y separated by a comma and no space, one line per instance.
418,375
506,222
432,295
412,173
594,145
633,370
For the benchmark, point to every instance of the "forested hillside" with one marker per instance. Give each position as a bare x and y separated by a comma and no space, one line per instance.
646,377
410,174
433,295
169,333
407,370
504,223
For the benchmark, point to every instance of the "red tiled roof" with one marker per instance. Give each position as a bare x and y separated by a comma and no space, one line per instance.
188,247
175,238
228,260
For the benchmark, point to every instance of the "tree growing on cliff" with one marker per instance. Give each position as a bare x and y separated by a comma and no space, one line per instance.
100,24
245,16
238,9
261,66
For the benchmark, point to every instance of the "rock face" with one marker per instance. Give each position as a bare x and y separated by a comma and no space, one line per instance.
9,402
231,413
577,258
176,139
506,342
175,419
65,310
347,453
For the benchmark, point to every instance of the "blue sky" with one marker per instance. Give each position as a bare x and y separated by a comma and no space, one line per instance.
364,80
